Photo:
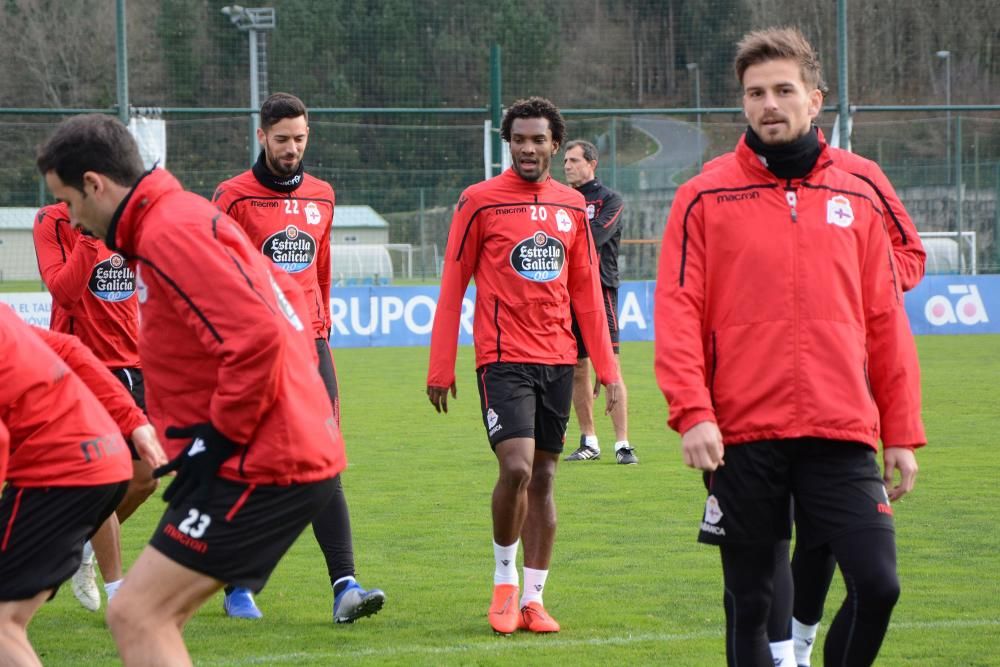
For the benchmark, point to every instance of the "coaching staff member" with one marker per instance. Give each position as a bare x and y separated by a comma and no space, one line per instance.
784,351
231,382
526,240
288,215
604,211
68,469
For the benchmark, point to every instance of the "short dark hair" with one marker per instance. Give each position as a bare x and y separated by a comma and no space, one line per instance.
280,106
91,142
534,107
589,149
788,43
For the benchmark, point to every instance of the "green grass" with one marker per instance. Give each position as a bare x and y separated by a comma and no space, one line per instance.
629,584
22,286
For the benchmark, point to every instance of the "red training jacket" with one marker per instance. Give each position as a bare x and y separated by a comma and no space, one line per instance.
111,393
221,341
93,289
907,248
291,229
60,435
778,312
530,249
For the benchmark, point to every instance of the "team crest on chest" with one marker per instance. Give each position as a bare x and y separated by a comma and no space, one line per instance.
563,222
838,211
313,215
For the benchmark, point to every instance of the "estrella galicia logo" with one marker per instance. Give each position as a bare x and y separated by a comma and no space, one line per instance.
292,249
112,280
539,257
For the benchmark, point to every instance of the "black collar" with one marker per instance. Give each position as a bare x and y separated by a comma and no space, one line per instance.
792,160
266,177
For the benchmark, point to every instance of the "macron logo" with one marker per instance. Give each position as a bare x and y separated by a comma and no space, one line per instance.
197,447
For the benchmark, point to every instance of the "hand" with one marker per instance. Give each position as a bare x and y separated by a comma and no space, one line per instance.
198,465
610,397
904,460
439,396
148,446
702,446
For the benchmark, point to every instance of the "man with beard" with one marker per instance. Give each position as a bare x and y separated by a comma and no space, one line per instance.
232,387
526,240
784,352
288,215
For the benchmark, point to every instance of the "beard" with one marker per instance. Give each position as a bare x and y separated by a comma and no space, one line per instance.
279,169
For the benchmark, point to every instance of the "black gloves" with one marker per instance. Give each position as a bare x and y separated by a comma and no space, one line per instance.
197,465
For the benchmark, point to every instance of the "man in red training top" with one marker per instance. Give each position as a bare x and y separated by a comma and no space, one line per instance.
68,470
232,386
288,215
526,240
784,352
93,298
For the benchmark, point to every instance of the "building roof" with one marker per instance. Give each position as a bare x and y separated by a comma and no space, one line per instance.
357,216
17,217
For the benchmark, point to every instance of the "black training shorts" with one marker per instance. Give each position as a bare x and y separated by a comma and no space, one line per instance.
242,532
42,531
836,485
526,401
610,295
132,379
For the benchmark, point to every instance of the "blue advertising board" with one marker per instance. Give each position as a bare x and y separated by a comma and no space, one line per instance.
377,316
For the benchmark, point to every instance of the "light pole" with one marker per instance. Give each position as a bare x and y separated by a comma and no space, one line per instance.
946,57
254,20
696,73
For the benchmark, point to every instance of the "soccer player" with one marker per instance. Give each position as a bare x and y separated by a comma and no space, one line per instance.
604,210
783,350
812,569
288,215
526,240
68,469
232,385
93,298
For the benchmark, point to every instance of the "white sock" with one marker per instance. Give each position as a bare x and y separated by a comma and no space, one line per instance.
622,444
783,653
534,585
591,441
506,567
111,587
88,553
804,636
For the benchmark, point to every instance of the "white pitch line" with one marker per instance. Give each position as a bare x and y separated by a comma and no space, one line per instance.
498,644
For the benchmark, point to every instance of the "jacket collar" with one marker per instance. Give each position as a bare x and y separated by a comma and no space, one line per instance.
124,227
752,162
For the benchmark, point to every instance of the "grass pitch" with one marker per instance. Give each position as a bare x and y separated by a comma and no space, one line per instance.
628,584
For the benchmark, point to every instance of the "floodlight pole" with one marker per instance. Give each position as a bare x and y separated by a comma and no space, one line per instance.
843,102
946,57
121,62
253,20
696,71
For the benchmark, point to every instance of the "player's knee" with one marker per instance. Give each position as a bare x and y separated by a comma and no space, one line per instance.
122,616
877,593
515,474
748,609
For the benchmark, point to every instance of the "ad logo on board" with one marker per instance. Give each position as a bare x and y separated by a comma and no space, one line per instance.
968,309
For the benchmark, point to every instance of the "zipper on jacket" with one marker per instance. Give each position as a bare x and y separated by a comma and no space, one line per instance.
793,200
243,459
496,323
